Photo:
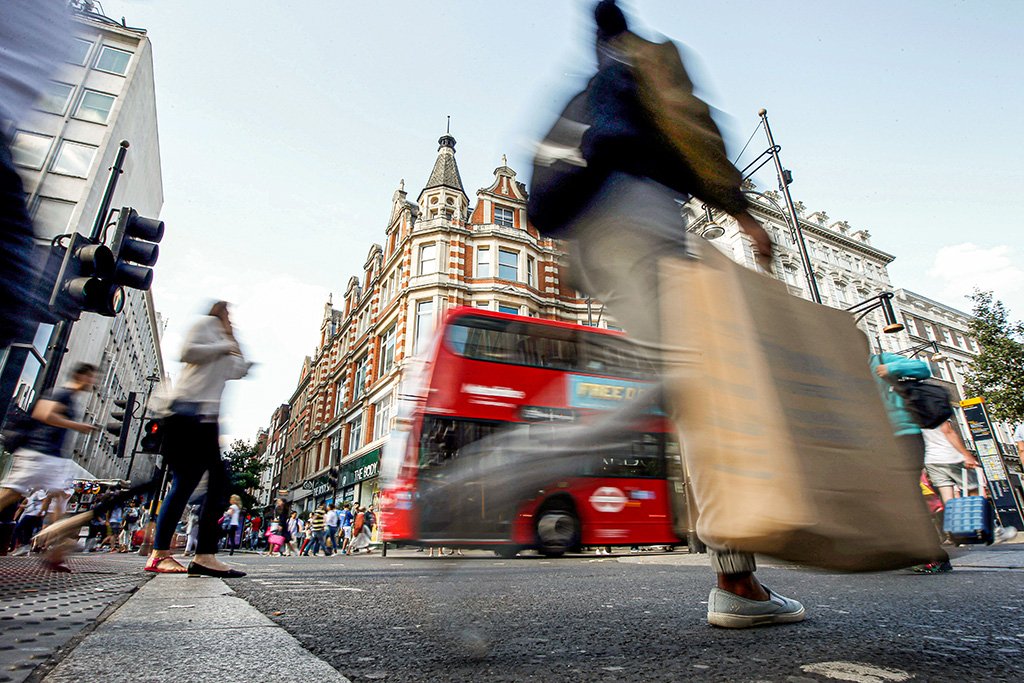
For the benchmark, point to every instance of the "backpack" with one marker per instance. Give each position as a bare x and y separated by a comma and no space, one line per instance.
927,402
17,429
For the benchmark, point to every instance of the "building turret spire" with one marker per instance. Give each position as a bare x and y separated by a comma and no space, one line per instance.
446,170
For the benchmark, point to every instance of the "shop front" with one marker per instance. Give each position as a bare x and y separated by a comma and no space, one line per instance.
358,479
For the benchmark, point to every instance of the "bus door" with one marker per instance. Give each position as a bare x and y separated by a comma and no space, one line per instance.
460,495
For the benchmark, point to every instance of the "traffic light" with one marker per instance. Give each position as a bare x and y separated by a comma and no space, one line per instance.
152,437
83,283
121,422
135,248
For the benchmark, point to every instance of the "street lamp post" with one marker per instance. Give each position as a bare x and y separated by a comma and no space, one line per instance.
785,178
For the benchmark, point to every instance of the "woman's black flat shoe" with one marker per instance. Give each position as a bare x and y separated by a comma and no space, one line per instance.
199,570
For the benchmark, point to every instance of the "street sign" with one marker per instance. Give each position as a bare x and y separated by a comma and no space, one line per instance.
1003,498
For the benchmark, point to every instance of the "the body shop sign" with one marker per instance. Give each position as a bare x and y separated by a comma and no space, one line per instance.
364,467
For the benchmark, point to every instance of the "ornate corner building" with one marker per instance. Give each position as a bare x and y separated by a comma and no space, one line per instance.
438,252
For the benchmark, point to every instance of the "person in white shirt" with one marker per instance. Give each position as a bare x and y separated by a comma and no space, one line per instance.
1018,438
945,458
191,443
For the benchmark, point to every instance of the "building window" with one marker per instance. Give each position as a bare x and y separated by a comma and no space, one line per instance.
55,97
482,304
339,396
428,259
52,216
503,217
531,266
94,106
841,298
30,150
424,325
483,262
511,310
911,325
73,159
382,417
508,264
359,382
78,52
113,61
946,336
790,275
929,331
355,433
387,350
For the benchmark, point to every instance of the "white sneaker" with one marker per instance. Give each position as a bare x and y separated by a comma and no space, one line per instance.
1004,534
731,611
22,550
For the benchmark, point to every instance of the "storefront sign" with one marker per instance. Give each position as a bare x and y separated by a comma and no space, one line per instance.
362,468
318,486
1003,499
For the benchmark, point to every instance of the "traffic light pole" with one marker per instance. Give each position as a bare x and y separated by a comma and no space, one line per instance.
152,379
62,331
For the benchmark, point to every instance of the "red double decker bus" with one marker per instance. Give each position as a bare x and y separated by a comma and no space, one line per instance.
493,448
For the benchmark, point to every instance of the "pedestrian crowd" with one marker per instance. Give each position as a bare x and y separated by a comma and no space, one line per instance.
327,529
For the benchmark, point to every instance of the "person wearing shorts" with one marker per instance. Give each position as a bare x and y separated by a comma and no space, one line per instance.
42,463
945,458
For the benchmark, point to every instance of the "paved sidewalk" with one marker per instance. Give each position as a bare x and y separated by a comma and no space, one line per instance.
42,611
177,629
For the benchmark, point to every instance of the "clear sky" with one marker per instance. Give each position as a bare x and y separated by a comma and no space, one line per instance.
285,128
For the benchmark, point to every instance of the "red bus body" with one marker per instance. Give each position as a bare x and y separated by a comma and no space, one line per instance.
490,388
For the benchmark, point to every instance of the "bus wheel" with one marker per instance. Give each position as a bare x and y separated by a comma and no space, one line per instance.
557,530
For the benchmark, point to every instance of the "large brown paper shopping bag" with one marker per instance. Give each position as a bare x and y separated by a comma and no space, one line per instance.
786,439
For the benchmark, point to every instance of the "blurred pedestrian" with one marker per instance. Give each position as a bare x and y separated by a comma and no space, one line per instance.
331,524
610,177
317,533
191,530
361,531
41,462
345,519
29,520
233,522
191,442
34,37
294,527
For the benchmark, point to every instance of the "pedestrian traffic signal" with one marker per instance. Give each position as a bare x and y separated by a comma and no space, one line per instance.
120,424
83,283
152,436
136,249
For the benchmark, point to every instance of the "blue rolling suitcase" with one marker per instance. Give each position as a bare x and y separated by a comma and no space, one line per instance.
969,519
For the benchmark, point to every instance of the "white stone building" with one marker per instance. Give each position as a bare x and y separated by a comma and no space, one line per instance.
104,94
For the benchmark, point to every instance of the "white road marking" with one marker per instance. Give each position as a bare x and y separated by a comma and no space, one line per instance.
855,672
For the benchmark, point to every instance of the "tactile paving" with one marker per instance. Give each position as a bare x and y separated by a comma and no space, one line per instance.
41,610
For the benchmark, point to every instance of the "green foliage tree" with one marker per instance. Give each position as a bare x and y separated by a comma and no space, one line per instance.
246,468
997,373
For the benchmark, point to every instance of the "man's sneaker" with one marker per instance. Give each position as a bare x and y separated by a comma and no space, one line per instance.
933,568
1004,534
729,610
